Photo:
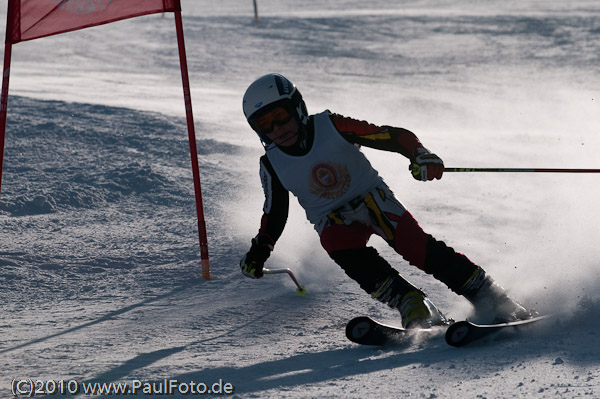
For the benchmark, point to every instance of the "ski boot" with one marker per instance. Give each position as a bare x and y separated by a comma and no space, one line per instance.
492,304
418,311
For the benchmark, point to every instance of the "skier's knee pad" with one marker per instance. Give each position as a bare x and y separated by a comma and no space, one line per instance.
447,265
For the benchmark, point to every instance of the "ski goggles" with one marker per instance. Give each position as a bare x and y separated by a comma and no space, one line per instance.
264,124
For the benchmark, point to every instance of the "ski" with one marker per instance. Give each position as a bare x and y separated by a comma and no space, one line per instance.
464,332
366,331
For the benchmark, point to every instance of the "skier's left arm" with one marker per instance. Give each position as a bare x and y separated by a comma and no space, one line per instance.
424,165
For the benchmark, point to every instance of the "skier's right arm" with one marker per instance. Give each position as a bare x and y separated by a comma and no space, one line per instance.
274,218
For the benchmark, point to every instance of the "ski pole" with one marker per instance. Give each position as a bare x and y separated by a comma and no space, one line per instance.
301,291
529,170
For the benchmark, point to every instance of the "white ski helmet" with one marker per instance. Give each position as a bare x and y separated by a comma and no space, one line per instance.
268,92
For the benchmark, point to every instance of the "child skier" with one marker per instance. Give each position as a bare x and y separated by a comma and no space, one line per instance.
317,158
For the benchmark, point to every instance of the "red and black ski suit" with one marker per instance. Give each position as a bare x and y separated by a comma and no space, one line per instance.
345,238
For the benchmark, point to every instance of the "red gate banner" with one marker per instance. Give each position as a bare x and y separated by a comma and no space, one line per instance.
32,19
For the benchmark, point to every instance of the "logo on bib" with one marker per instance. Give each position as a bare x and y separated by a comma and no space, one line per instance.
329,180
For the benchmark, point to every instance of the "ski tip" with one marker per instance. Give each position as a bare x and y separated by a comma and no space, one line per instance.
366,331
359,328
457,333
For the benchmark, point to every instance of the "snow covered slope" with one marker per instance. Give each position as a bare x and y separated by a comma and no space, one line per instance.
98,240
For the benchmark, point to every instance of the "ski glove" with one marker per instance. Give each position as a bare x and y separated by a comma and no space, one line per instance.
253,262
426,166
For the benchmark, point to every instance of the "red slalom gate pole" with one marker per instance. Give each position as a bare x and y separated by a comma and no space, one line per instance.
193,149
522,170
4,104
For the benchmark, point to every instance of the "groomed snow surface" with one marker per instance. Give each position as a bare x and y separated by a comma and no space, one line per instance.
98,235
